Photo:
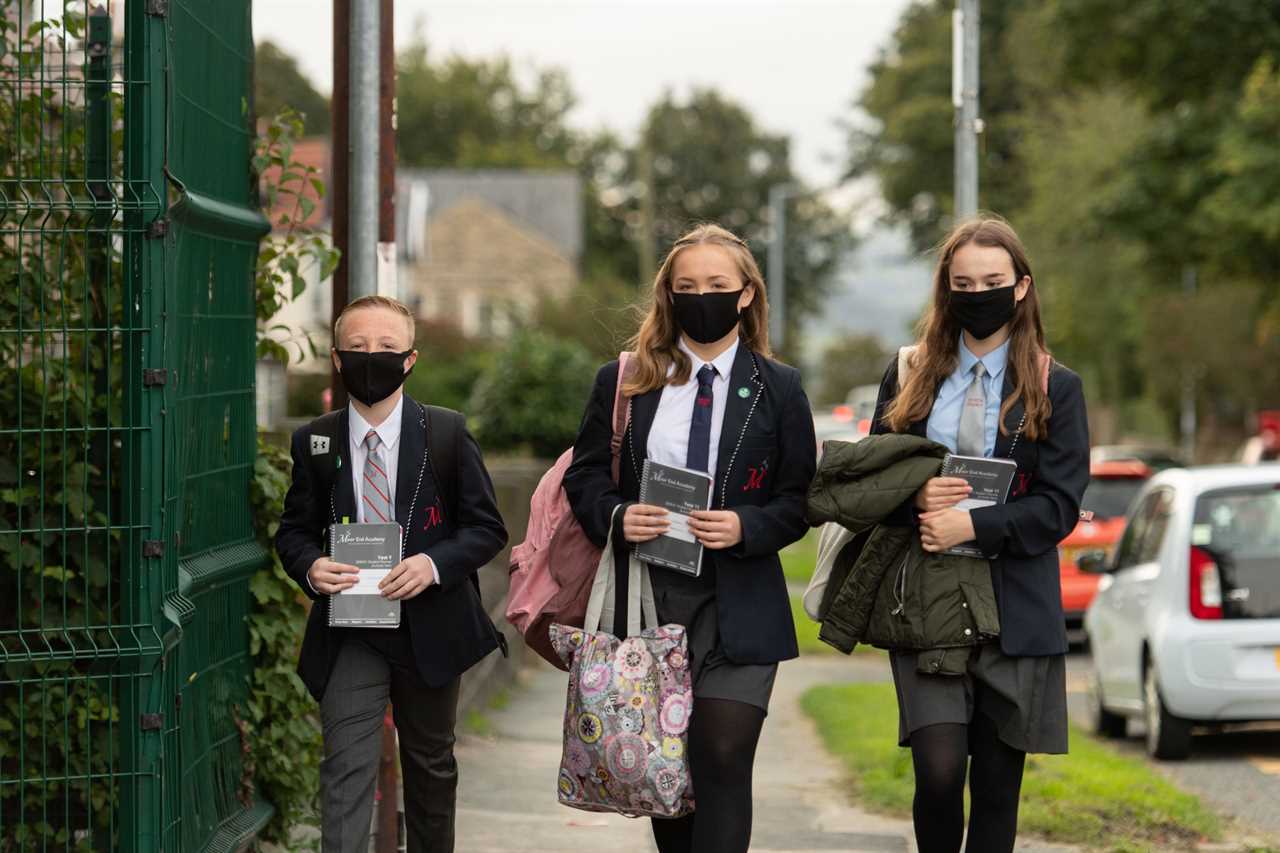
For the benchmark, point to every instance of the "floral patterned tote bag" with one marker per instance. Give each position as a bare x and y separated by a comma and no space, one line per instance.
626,717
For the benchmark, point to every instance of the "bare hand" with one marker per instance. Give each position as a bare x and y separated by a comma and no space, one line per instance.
942,493
716,529
643,522
408,578
945,529
330,578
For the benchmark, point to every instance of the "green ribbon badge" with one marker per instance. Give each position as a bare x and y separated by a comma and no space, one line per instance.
744,392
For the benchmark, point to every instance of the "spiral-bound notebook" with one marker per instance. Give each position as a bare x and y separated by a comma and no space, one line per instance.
990,479
679,491
374,549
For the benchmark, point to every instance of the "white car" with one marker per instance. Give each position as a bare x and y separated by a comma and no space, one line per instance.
1185,628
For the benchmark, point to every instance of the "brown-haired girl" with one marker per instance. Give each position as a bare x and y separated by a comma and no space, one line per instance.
980,381
705,395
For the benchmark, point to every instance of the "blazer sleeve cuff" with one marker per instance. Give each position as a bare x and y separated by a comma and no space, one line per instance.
301,574
988,527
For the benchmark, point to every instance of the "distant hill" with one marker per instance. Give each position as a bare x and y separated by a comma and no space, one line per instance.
882,287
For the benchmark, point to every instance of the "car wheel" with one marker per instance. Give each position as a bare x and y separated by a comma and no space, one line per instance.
1168,737
1105,723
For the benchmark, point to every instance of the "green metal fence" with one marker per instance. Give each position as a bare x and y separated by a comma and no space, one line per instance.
127,241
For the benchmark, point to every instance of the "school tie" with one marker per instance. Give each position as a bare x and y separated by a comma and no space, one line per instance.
700,426
376,493
971,440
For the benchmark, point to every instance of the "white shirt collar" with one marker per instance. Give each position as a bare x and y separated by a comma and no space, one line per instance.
388,431
723,363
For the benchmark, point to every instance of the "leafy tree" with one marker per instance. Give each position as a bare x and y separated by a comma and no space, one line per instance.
710,161
909,144
463,113
850,362
531,398
279,84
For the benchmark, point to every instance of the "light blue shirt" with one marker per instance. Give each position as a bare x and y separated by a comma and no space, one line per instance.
944,419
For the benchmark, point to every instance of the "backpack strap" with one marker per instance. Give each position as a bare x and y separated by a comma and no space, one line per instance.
621,410
905,357
444,442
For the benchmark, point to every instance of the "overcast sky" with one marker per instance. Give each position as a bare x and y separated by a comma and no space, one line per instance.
796,64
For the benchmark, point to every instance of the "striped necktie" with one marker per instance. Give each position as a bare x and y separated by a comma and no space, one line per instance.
376,493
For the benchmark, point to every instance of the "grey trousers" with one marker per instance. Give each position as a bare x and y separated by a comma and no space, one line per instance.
375,666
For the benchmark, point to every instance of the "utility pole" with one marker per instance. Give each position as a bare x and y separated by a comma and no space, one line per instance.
1187,421
338,189
364,126
965,20
777,266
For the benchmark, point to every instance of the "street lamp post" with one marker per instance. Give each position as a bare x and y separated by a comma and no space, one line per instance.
777,266
964,97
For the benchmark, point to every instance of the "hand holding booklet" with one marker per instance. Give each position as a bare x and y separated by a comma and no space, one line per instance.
990,479
374,549
679,491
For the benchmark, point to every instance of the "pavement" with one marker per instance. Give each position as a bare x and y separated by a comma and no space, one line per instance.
507,801
1236,771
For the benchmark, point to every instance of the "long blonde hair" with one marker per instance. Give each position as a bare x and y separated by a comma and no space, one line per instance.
936,354
656,343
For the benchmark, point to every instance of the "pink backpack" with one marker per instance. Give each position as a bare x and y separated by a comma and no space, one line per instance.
552,569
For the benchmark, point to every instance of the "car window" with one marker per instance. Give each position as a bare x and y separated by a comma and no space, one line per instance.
1240,528
1109,497
1157,527
1131,543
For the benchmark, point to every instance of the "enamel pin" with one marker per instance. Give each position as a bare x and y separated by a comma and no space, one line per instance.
319,444
744,392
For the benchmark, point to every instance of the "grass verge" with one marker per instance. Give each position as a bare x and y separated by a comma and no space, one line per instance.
1093,796
799,558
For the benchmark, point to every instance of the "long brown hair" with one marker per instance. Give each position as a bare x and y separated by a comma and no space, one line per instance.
936,355
656,343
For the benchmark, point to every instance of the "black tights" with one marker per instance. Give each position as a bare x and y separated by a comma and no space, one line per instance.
940,754
722,749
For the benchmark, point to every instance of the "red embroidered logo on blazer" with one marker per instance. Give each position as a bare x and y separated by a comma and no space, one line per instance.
755,477
435,515
1021,485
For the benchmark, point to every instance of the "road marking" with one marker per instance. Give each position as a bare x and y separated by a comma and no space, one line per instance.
1270,766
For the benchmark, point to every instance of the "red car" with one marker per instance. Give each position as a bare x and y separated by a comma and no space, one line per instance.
1112,485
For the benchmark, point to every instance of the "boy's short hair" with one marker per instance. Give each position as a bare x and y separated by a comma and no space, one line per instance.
376,301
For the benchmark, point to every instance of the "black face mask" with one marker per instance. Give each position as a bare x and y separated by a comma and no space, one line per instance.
372,377
981,313
706,317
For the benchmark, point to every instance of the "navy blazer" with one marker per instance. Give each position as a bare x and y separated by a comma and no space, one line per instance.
449,629
767,457
1021,536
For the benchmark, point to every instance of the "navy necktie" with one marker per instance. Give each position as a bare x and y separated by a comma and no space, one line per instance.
700,426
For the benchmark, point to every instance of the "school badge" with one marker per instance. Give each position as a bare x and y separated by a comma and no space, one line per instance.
319,445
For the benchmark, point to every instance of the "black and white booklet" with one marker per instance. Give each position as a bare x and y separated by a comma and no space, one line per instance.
374,549
679,491
990,479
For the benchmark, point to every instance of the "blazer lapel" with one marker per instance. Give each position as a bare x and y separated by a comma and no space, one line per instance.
1004,442
413,447
738,410
344,498
643,410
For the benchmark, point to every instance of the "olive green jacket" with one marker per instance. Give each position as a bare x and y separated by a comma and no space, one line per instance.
884,589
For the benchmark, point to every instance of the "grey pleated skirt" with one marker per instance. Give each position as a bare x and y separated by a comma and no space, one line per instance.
691,602
1026,697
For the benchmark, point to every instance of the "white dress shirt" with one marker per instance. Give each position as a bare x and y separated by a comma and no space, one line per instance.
389,433
669,435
